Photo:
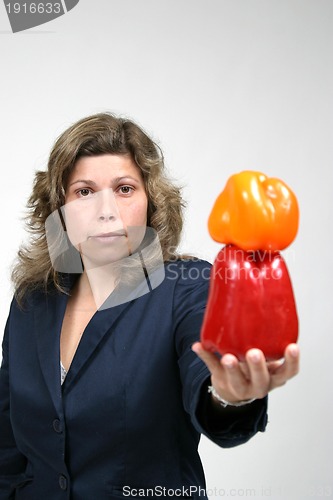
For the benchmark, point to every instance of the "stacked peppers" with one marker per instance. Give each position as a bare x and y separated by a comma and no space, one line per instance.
251,301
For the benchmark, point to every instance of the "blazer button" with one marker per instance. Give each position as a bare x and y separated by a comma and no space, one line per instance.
63,482
57,426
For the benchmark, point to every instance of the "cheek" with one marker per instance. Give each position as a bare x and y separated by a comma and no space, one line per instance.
134,218
76,226
134,214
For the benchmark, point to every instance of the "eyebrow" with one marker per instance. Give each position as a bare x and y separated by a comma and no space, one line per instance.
116,180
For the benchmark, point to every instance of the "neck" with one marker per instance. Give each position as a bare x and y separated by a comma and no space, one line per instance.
98,283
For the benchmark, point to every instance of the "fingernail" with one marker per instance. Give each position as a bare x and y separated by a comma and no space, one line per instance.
228,361
196,349
255,356
293,351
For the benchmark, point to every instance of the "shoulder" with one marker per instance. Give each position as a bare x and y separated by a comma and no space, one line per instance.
40,296
187,265
188,271
189,278
184,280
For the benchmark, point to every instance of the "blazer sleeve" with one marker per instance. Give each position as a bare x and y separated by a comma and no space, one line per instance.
227,427
12,462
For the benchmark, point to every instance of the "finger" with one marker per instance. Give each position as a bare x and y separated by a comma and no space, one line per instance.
292,356
245,369
259,374
212,362
236,381
289,368
273,366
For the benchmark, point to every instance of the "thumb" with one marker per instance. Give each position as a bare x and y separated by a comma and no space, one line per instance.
211,361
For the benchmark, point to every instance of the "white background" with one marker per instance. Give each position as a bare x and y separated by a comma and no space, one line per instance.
222,86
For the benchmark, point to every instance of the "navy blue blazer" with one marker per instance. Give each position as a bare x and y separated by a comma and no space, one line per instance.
128,418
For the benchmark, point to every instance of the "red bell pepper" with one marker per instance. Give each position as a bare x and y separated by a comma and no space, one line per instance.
250,304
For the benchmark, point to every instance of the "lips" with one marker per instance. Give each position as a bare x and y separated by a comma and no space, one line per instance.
111,234
108,237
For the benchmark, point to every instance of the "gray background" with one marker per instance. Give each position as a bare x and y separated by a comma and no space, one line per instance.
223,86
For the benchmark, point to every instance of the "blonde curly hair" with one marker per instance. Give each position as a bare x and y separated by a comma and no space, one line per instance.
102,133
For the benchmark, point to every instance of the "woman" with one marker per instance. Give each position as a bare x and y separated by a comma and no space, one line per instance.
104,387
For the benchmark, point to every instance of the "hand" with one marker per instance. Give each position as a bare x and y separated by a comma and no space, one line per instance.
254,378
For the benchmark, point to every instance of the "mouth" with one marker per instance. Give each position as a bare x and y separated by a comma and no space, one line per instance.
108,237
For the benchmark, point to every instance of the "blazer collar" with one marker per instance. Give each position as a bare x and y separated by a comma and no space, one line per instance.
100,325
49,313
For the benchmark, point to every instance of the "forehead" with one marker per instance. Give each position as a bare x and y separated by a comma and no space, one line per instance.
105,166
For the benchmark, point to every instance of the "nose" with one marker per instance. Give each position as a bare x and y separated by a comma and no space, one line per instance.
106,217
107,209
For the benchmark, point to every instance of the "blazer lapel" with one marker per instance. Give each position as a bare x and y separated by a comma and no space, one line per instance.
49,313
103,323
100,324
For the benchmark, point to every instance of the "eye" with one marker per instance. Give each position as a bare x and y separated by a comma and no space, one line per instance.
125,189
84,192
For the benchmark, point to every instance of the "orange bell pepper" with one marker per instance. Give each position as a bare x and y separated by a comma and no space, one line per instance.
255,212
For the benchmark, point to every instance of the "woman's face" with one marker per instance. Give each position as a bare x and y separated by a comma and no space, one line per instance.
105,208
